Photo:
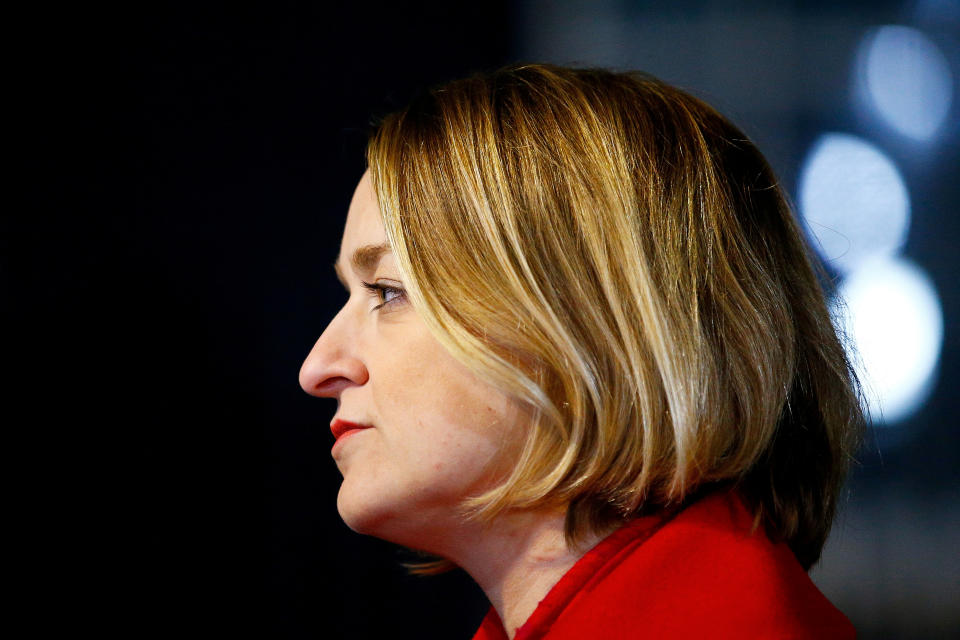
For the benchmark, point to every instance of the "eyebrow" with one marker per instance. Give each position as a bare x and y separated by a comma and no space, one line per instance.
364,259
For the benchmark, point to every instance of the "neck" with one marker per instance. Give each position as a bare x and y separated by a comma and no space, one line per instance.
516,560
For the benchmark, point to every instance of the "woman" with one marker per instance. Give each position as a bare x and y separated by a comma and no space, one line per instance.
586,358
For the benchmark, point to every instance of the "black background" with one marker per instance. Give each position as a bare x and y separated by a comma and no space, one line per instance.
187,174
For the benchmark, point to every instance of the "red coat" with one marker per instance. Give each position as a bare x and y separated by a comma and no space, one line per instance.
702,574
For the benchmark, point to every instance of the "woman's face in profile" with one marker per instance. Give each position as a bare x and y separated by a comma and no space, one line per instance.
433,433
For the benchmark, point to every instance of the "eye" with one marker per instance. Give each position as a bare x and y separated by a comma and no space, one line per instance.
386,294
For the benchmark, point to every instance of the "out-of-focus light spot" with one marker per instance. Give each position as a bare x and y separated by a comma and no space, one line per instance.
906,80
853,200
893,318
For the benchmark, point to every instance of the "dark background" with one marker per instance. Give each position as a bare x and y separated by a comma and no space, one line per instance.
186,171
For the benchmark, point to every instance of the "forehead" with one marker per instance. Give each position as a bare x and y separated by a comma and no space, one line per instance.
364,240
364,225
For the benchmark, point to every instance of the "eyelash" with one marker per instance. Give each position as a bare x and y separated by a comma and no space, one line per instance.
379,292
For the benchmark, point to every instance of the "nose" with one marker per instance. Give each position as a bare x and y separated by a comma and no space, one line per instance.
333,364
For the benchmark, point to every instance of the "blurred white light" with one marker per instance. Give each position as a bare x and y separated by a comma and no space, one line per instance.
906,79
893,317
853,200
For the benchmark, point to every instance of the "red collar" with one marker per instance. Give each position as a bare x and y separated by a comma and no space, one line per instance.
591,567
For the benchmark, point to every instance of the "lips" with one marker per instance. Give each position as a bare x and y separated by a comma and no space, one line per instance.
342,427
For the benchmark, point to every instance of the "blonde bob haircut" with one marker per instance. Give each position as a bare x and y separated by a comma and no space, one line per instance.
620,259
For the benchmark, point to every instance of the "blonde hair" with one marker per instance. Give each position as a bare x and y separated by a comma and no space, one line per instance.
618,257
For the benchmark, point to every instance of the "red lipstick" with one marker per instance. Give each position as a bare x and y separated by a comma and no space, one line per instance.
342,428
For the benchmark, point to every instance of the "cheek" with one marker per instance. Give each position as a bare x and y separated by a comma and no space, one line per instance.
420,382
440,414
437,415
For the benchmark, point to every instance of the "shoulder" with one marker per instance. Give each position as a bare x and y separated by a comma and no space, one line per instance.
706,571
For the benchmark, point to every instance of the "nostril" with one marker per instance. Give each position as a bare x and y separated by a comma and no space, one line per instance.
330,387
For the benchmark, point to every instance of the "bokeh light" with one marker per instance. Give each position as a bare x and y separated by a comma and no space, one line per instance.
906,80
853,200
891,313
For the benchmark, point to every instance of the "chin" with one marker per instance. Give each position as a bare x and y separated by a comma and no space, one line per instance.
375,518
368,514
361,516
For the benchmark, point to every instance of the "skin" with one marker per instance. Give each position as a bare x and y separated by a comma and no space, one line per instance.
438,435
